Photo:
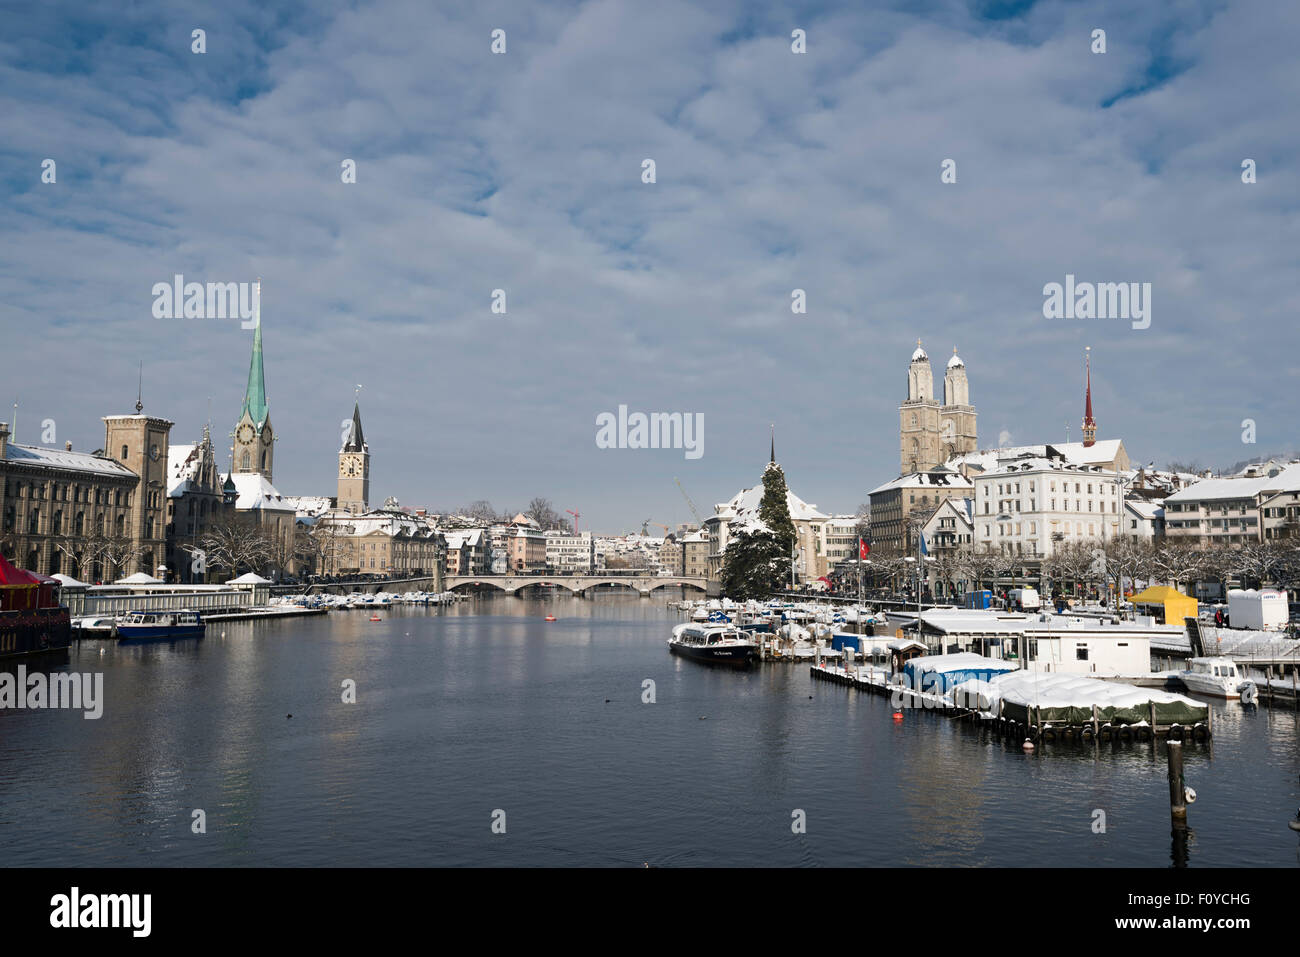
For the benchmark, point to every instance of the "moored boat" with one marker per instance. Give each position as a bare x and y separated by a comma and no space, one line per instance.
170,625
1217,676
722,644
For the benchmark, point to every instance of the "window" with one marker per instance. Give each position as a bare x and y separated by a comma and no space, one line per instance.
1081,652
124,453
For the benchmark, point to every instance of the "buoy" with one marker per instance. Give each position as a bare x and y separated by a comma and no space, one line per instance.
898,716
1028,745
550,618
375,618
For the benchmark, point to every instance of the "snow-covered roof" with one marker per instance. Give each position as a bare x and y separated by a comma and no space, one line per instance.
1145,508
695,536
1288,480
62,459
255,492
744,504
68,581
955,362
937,478
1102,452
919,355
249,578
308,506
139,578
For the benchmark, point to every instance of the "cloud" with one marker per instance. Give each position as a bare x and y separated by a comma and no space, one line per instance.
775,171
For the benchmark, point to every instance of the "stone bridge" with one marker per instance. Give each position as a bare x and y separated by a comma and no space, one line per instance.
577,584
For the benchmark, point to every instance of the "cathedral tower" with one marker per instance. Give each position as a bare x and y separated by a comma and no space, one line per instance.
957,417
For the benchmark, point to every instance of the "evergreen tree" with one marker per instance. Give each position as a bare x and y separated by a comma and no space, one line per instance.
755,564
774,509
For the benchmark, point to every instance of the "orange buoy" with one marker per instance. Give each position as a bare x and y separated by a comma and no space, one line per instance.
898,716
550,618
375,618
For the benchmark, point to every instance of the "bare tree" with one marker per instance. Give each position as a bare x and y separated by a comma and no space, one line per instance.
541,511
233,544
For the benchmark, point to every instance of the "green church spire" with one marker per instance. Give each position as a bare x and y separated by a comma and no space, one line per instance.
255,395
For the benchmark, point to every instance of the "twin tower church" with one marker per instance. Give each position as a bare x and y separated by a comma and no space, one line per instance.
930,433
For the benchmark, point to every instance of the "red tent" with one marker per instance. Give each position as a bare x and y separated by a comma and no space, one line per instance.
18,589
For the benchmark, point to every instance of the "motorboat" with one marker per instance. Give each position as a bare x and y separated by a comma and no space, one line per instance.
1217,676
148,625
723,644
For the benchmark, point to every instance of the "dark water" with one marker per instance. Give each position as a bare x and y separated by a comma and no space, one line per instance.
486,706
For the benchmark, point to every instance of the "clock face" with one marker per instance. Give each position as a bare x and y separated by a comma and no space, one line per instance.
244,433
266,436
350,468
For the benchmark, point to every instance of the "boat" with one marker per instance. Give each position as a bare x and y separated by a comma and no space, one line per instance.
33,622
147,625
1217,676
723,644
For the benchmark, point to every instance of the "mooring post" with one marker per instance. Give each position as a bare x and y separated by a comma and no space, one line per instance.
1177,787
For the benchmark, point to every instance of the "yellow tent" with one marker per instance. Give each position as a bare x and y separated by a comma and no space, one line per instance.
1171,605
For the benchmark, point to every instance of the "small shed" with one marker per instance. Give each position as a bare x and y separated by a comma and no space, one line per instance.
1165,604
259,586
903,650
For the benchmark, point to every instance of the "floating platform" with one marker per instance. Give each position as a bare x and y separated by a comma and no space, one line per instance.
1072,711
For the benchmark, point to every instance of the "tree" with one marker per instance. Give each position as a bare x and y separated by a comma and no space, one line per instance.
233,544
541,511
756,563
774,509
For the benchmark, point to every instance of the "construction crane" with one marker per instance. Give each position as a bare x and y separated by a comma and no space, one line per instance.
576,516
694,511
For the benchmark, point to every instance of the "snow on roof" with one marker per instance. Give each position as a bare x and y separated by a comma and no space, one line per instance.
255,492
139,578
955,362
1103,452
248,578
1288,480
1145,508
308,506
68,581
919,355
744,504
937,478
62,459
695,536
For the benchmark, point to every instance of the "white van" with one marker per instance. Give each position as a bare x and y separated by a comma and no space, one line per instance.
1023,599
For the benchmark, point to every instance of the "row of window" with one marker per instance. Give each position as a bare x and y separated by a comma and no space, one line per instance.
60,492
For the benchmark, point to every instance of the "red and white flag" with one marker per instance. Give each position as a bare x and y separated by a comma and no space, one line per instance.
863,548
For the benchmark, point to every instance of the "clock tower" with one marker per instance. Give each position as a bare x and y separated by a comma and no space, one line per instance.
354,468
254,446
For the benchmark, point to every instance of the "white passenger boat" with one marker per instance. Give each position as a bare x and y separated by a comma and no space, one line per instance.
720,644
1217,676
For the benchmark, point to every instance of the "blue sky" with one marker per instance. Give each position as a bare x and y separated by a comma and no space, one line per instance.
775,171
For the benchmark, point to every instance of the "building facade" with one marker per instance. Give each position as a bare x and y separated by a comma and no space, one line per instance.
931,433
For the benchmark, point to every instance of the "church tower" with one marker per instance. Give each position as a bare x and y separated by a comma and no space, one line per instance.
354,468
957,417
254,448
918,417
1089,423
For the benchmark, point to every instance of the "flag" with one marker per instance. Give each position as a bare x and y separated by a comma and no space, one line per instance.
924,550
863,549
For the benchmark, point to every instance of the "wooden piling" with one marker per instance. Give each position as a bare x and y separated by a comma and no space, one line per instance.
1177,788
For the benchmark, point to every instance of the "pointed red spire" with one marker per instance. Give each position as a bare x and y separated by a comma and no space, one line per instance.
1089,423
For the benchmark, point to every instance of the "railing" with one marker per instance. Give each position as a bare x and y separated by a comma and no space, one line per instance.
114,605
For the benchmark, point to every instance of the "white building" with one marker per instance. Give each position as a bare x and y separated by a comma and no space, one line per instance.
1049,643
1227,510
1029,506
567,553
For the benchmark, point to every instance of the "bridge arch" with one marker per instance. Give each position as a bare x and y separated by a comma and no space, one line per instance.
679,584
